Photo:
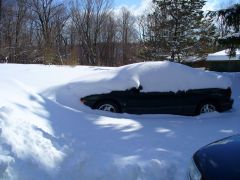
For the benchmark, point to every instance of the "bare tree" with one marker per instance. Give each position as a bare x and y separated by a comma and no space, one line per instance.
89,18
0,23
0,10
108,42
126,25
49,16
142,27
7,30
82,31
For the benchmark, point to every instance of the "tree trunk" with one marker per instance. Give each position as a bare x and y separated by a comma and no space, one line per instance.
0,11
0,24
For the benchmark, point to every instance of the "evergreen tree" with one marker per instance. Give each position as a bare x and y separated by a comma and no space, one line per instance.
231,20
178,26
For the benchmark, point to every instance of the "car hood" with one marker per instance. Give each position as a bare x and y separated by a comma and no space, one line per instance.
220,159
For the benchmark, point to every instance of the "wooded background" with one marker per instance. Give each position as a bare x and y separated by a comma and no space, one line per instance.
91,32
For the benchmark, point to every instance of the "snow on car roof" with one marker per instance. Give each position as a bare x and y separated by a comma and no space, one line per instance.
160,76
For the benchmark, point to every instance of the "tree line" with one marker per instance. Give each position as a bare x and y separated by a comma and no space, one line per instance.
91,32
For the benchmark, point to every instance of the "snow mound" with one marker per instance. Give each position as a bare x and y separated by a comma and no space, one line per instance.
27,139
162,76
44,139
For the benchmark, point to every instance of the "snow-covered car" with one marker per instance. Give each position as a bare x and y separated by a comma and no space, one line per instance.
157,87
219,160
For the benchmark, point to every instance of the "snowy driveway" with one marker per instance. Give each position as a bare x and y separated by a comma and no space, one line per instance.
47,135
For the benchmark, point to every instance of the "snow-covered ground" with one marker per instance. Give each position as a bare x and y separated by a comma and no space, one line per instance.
45,133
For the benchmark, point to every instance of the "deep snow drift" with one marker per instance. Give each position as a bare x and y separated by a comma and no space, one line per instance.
45,133
161,76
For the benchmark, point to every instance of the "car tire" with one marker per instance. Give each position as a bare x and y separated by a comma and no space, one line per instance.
206,107
109,106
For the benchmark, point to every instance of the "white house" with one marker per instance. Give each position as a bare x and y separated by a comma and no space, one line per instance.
223,56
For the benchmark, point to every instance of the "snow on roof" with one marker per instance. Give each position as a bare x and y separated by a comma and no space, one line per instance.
162,76
222,56
192,59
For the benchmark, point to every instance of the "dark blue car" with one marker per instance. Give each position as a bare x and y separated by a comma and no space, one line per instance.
219,160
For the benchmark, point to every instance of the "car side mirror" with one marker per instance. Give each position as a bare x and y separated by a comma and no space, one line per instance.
140,87
136,90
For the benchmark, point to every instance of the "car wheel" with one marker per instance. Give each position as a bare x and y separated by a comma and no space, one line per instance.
207,108
108,106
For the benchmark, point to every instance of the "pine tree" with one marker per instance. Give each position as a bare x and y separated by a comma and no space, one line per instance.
231,20
177,26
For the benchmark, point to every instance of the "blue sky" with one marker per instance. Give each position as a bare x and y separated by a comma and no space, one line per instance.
211,4
127,2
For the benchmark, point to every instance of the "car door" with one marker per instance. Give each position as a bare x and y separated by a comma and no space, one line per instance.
166,102
154,102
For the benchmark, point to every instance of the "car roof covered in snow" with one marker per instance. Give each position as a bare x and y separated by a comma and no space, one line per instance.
163,76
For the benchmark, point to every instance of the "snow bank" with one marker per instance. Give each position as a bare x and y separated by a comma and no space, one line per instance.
26,136
44,139
153,76
223,56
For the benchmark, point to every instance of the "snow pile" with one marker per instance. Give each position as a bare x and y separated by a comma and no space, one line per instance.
223,56
153,76
26,135
45,138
